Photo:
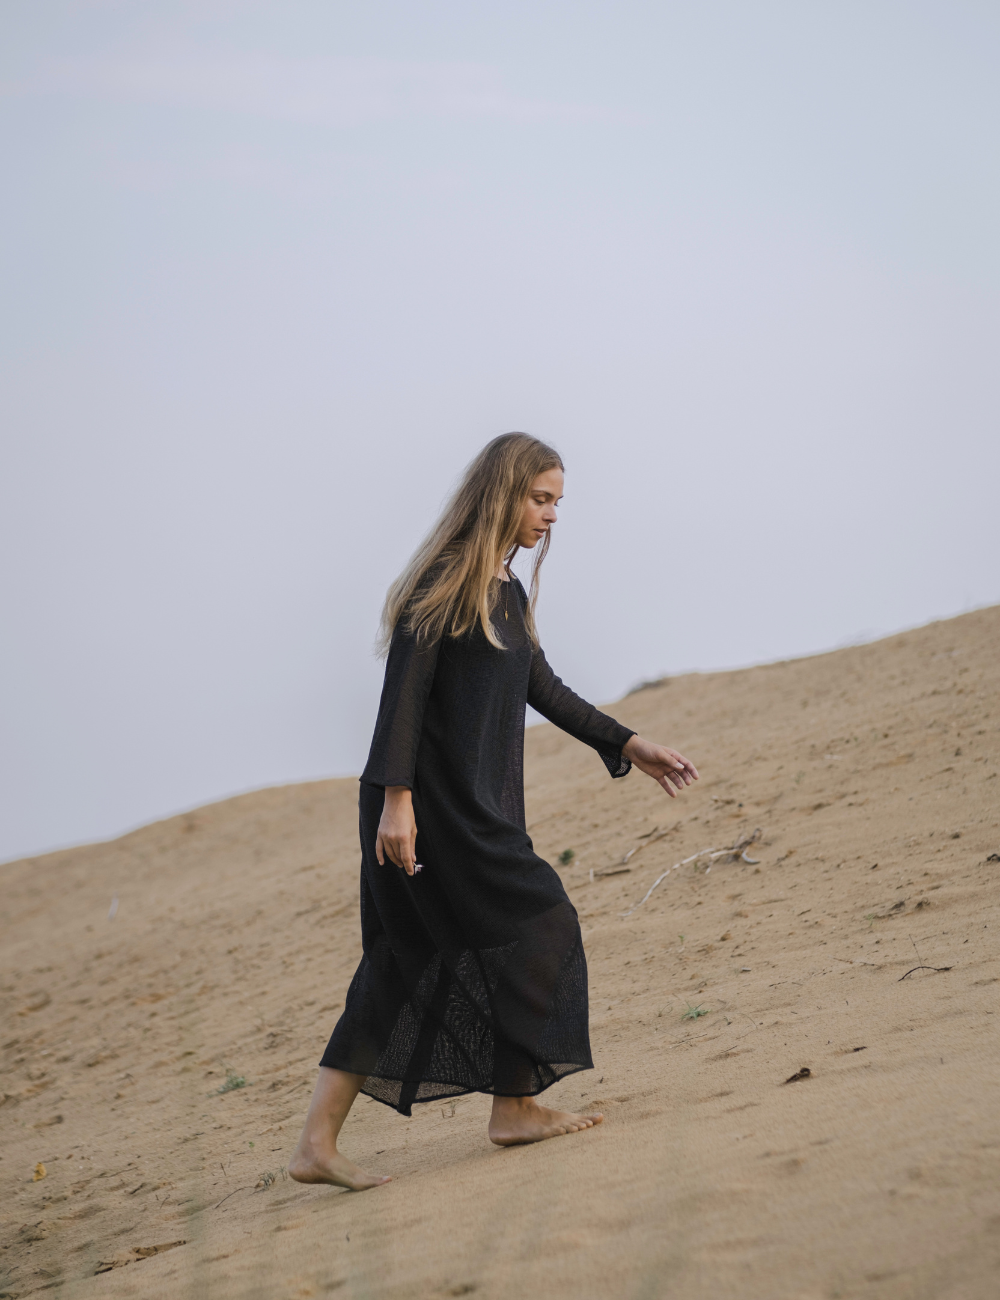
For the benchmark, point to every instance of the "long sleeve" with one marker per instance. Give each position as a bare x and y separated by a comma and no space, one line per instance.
409,675
560,705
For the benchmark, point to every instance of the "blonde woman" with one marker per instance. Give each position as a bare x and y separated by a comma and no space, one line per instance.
473,977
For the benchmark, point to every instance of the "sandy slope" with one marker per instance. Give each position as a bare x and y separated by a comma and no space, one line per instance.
873,775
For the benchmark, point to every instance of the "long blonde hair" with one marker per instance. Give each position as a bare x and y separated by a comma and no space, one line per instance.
450,584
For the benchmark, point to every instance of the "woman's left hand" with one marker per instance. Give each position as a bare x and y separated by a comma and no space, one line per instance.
665,766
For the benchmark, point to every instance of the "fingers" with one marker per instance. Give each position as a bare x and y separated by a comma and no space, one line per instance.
388,846
400,852
675,771
404,855
690,771
679,775
406,850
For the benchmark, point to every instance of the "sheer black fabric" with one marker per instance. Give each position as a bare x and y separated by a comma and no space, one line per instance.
473,977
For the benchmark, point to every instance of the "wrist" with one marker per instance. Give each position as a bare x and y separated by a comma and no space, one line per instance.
630,748
397,794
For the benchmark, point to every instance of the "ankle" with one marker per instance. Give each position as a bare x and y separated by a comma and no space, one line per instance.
511,1105
315,1142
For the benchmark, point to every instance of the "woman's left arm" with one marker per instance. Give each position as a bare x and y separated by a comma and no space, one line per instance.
618,746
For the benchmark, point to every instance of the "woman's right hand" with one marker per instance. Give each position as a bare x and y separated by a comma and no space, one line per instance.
397,830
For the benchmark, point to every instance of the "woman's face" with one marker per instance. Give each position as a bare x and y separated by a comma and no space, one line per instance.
539,513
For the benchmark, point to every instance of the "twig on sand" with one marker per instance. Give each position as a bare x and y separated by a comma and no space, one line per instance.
694,856
693,1038
739,849
649,838
922,966
733,852
233,1193
923,969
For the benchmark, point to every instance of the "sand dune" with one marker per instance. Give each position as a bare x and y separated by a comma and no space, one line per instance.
873,775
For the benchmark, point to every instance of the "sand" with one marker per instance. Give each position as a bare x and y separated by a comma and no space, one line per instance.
873,775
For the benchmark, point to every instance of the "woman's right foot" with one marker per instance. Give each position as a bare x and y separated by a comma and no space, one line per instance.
526,1121
333,1168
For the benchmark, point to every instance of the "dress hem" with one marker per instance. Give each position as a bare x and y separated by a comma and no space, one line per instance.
463,1092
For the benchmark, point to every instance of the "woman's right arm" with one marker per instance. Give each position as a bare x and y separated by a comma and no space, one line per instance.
392,761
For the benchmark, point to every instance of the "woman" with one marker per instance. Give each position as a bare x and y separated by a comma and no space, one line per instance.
473,977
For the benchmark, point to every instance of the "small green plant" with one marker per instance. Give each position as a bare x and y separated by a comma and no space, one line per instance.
798,777
692,1013
870,918
233,1081
566,857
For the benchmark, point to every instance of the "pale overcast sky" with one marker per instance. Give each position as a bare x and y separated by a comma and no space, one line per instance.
273,272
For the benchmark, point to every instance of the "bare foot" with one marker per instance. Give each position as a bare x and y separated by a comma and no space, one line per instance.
516,1120
332,1167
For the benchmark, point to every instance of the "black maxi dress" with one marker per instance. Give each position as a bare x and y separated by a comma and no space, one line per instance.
473,977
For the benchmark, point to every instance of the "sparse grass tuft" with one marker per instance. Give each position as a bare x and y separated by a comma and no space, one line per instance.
692,1013
566,857
233,1081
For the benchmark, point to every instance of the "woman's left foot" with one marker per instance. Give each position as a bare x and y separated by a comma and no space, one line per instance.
526,1121
331,1167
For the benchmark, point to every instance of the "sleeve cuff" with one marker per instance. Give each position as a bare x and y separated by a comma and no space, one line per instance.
615,761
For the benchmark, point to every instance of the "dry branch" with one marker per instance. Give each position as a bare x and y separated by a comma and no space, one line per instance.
741,846
912,969
733,852
650,838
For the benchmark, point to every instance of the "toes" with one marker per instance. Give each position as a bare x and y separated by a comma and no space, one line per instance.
366,1181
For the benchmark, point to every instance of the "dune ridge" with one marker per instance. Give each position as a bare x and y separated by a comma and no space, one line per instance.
157,1063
